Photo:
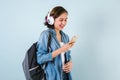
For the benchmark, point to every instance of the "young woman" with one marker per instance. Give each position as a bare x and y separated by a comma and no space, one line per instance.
58,60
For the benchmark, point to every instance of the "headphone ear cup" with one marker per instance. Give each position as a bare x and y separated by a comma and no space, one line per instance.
50,20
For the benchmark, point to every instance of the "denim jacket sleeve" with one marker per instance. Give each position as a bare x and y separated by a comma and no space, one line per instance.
43,55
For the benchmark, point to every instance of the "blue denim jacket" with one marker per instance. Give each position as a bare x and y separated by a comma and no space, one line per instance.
53,69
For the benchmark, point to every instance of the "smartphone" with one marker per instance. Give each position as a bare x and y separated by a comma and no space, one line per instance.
73,40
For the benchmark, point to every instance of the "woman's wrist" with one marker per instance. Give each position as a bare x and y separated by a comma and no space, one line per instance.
56,52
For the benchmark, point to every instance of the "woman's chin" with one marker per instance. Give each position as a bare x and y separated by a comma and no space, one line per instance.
61,28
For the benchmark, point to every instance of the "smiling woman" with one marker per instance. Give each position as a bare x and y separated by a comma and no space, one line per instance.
59,53
61,21
96,53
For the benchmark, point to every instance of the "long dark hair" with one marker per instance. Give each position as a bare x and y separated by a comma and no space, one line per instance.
55,12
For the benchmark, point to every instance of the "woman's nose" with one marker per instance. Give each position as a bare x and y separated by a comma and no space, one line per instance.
64,22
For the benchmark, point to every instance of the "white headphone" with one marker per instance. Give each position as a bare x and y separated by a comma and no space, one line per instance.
50,19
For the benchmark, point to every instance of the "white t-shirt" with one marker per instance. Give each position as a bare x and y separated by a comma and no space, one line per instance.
62,54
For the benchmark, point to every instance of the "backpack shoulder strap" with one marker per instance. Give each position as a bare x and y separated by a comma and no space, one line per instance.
48,44
49,41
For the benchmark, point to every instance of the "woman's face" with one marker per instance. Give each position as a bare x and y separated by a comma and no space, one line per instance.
60,21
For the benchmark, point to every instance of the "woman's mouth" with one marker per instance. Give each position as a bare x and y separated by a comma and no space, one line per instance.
61,27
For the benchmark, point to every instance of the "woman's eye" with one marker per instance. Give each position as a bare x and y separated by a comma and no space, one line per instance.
65,20
61,20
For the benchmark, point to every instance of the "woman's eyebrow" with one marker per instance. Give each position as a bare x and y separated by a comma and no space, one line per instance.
63,18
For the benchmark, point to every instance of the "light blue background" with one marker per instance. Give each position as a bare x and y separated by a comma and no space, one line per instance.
96,54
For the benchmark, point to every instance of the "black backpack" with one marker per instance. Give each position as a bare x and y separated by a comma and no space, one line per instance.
32,70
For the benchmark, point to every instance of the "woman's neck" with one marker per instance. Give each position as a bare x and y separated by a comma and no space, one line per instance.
57,32
58,35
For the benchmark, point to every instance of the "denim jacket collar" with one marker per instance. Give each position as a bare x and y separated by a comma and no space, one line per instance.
62,34
54,33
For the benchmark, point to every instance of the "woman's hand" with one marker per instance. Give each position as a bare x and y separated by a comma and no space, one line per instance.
67,67
66,47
